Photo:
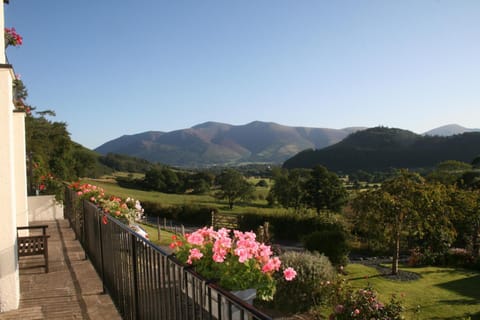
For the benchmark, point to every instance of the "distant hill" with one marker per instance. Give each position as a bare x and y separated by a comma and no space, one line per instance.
380,148
213,143
449,130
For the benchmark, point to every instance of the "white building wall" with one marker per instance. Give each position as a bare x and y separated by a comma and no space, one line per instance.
20,168
9,279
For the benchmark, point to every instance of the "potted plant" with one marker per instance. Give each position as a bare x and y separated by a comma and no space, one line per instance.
234,259
127,210
12,38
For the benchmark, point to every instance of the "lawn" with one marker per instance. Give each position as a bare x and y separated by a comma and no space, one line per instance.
440,293
258,205
165,237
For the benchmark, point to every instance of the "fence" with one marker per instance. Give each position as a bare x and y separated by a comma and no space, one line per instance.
143,280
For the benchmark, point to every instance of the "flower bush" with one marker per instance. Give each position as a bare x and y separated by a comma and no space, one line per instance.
235,259
364,304
125,209
12,38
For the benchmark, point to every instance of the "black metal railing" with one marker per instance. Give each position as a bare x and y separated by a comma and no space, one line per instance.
143,280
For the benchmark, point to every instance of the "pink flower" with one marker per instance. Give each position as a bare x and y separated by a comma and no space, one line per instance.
264,253
289,274
356,312
221,245
272,265
195,254
195,238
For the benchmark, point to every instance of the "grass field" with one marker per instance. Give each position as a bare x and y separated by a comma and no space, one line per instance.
165,237
258,205
440,293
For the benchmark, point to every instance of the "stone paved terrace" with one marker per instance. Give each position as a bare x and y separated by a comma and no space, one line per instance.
71,289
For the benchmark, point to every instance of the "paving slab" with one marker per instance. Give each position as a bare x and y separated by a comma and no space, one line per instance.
71,289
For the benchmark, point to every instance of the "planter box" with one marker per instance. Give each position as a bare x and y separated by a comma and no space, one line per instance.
198,291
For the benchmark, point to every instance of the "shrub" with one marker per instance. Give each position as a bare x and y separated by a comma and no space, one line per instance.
332,243
289,226
306,290
476,264
364,304
458,257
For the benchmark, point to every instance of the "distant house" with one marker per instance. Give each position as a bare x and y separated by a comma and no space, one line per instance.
13,181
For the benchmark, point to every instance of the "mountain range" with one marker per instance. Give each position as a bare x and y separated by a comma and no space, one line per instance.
213,143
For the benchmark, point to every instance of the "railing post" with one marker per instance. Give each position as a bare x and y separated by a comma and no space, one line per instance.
135,276
102,265
82,230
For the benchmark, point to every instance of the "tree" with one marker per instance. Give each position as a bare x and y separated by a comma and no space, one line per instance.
448,172
233,187
85,161
162,179
470,180
434,231
408,206
466,205
50,153
476,162
199,182
153,180
390,208
324,190
289,187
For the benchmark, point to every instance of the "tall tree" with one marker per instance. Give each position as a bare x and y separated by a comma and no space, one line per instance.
233,186
466,205
289,187
50,150
324,190
392,207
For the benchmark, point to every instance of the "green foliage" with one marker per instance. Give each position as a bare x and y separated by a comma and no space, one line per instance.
324,190
301,188
288,226
466,218
406,203
262,183
199,182
125,163
379,149
289,188
476,162
332,243
233,186
448,172
470,180
364,304
163,180
49,150
306,290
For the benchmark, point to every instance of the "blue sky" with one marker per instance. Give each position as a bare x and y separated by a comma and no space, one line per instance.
109,68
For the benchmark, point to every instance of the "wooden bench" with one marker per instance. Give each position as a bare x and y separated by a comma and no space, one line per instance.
33,245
